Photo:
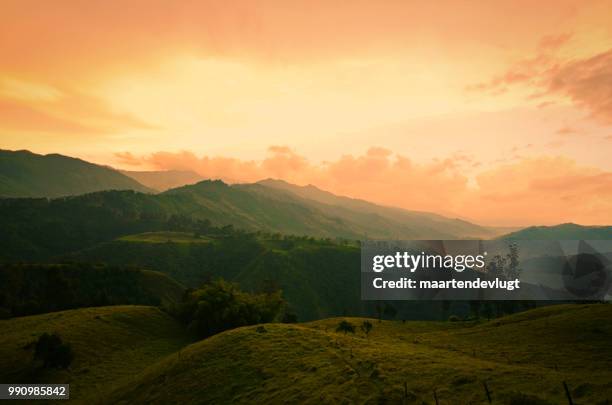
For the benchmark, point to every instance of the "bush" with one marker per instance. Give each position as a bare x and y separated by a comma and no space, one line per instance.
220,305
346,327
53,352
454,318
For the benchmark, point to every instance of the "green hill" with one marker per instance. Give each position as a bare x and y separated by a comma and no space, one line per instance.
27,174
110,344
38,288
562,232
317,277
524,359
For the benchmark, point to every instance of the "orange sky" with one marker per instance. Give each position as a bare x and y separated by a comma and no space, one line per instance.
500,112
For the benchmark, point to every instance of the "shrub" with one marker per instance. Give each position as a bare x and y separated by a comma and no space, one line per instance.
453,318
346,327
53,352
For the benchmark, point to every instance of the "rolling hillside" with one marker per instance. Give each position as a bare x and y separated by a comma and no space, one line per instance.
110,344
318,278
27,174
524,359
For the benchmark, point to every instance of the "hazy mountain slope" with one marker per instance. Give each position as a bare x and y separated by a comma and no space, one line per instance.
523,359
396,222
26,174
164,180
563,232
261,206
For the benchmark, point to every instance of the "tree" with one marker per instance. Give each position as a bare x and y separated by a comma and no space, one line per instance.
366,327
513,271
346,327
220,305
53,352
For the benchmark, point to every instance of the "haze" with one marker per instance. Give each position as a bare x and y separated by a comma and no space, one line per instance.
500,112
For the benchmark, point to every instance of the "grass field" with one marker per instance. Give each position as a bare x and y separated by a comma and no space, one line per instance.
524,359
139,355
109,344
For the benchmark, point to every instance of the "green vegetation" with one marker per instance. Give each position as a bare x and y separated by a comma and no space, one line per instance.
40,229
26,174
317,277
109,344
219,305
523,358
30,288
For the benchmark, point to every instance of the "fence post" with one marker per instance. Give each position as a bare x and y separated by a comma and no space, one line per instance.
567,393
487,391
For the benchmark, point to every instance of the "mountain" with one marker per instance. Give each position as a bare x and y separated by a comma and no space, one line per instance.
289,209
398,223
518,359
164,180
27,174
562,232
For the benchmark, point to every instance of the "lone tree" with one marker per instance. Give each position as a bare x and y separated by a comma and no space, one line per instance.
346,327
366,327
53,352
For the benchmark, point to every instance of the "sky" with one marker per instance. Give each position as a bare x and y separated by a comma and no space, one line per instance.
497,112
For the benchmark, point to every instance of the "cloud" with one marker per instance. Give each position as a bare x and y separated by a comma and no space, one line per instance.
586,82
544,190
39,107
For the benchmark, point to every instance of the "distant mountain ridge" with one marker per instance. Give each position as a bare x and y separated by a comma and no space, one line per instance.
27,174
266,205
164,180
344,207
569,231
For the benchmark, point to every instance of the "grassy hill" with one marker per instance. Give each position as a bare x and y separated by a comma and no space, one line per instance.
562,232
110,344
523,359
27,174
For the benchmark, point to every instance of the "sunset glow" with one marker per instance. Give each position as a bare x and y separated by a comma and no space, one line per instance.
500,112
